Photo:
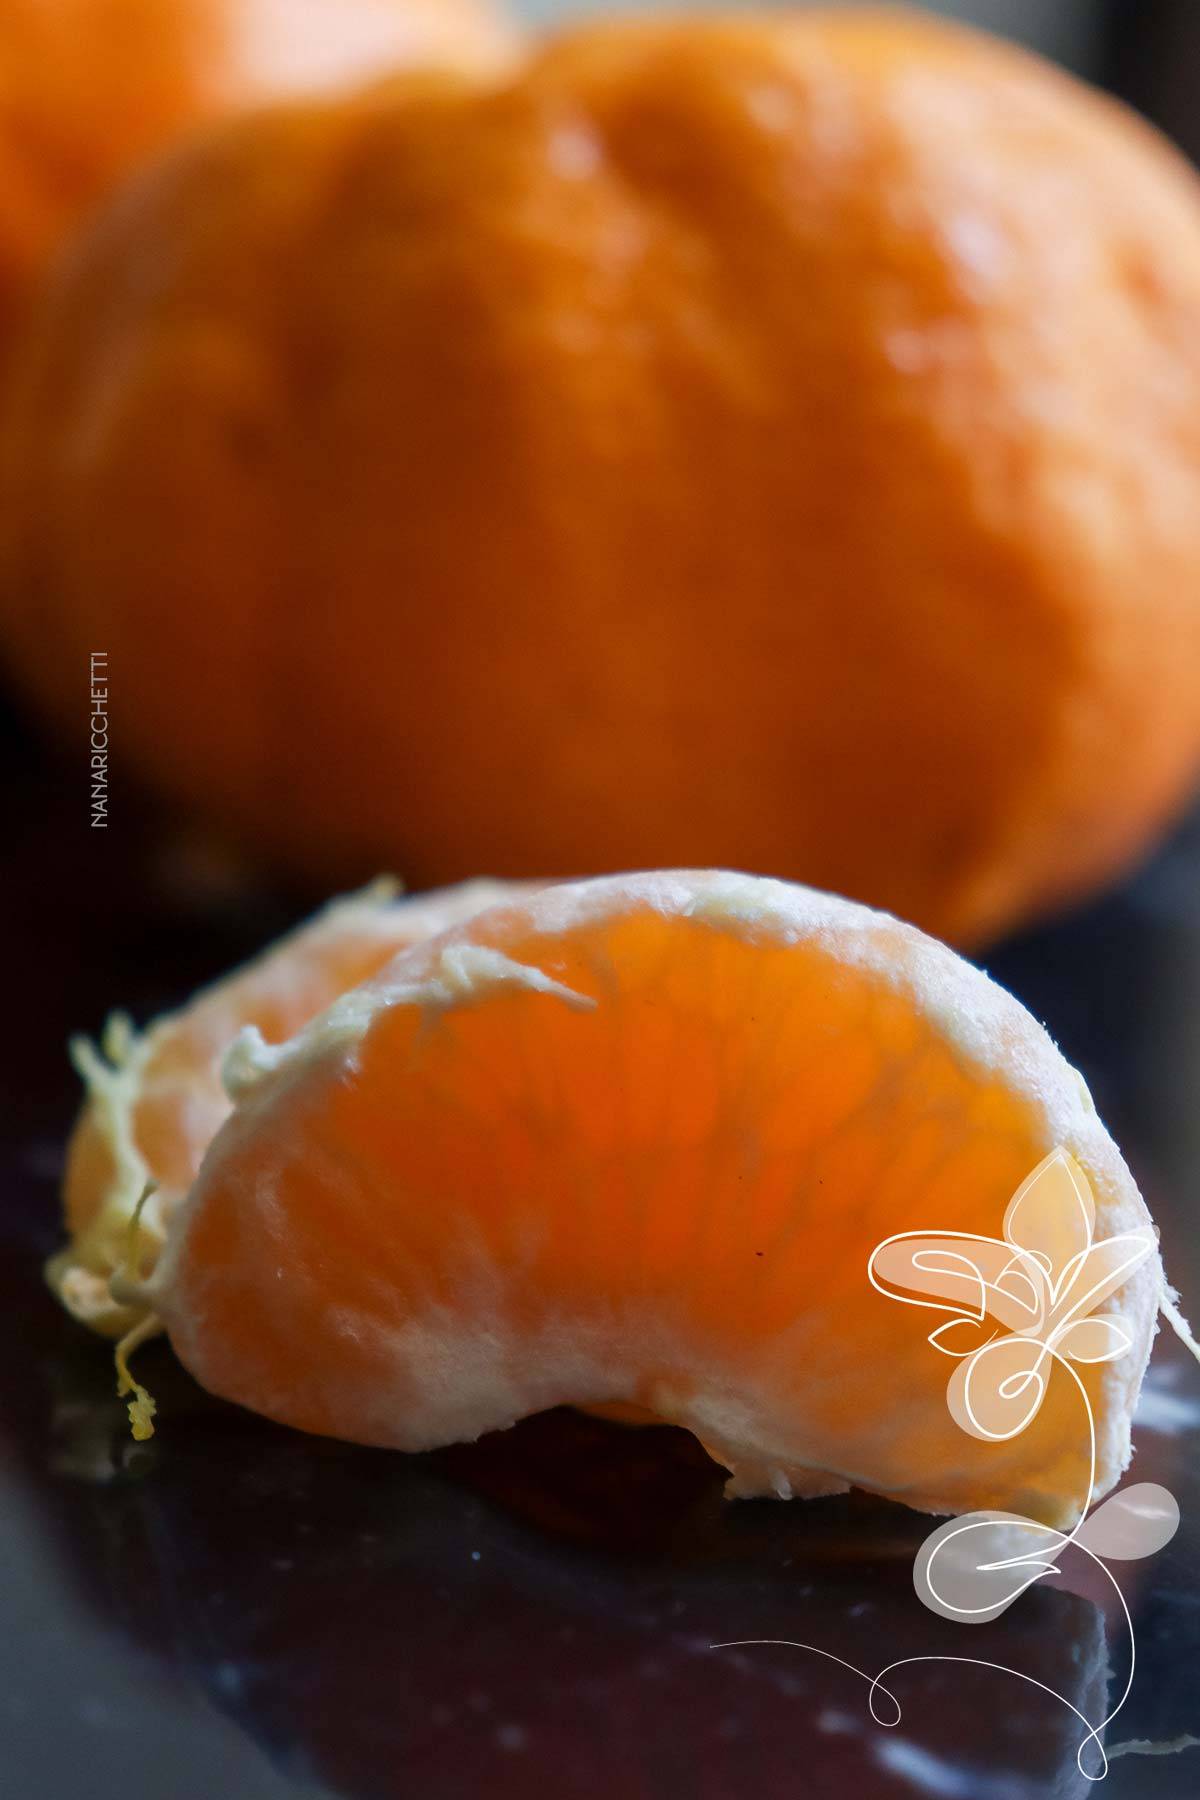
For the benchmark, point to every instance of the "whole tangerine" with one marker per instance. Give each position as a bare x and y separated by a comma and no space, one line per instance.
764,441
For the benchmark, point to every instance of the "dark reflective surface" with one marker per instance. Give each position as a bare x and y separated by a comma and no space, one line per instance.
235,1608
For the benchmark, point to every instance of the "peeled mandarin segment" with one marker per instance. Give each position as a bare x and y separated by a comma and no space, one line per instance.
631,1143
157,1098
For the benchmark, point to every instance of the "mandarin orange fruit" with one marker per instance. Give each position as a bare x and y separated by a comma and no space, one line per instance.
634,1141
155,1098
88,88
767,440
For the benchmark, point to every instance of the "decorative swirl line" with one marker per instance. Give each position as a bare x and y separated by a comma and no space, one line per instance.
875,1683
1018,1305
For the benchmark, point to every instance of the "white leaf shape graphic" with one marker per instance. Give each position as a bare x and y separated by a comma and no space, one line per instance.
1136,1522
1095,1273
971,1569
1093,1340
995,1392
1052,1214
963,1274
961,1337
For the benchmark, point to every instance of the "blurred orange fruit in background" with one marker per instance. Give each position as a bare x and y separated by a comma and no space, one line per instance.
634,1140
772,441
90,87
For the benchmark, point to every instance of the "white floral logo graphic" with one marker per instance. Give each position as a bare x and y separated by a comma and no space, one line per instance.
1017,1303
1020,1307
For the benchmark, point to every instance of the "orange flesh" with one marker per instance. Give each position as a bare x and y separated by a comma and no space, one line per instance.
171,1094
667,1199
182,1102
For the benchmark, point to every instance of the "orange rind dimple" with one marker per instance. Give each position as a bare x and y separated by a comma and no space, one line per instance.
630,1143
